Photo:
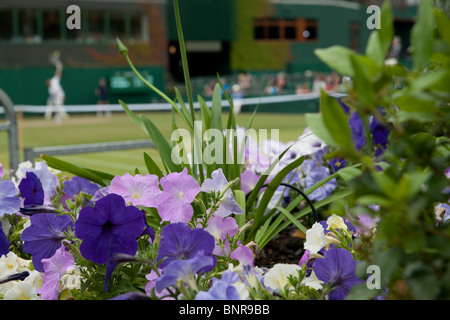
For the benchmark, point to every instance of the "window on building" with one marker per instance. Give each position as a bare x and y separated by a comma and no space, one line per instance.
6,24
28,25
51,25
33,25
118,25
96,26
136,27
300,30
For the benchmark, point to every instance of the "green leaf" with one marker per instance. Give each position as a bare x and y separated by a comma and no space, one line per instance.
132,115
422,36
294,221
317,125
152,167
280,222
205,112
163,146
337,58
183,110
362,81
262,180
239,196
349,173
216,108
98,177
386,32
336,122
374,50
270,190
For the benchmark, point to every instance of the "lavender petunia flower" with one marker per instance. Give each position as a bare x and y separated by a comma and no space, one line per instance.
228,204
249,179
243,254
100,193
358,131
44,236
219,228
54,268
179,241
75,186
316,174
184,270
337,268
179,190
108,228
31,190
9,199
138,190
222,289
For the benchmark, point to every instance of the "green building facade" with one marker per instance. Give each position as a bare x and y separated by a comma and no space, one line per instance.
228,37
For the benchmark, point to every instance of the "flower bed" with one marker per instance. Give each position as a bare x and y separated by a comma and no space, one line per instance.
363,194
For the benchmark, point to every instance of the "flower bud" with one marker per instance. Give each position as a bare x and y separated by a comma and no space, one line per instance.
123,50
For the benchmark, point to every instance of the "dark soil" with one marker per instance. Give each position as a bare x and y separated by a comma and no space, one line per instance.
286,247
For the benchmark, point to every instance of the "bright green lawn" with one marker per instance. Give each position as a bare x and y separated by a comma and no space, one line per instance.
80,129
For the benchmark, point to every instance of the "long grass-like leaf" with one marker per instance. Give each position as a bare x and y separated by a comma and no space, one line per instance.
152,167
98,177
163,146
268,193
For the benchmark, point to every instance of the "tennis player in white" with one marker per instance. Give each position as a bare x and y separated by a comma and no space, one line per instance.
56,93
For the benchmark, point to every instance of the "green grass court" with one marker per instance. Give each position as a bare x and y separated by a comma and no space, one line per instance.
80,129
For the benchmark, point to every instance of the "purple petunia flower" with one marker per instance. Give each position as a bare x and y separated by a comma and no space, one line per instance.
337,268
109,227
44,236
9,199
222,289
4,242
380,132
337,164
47,178
179,241
184,270
138,190
75,186
31,189
179,190
316,174
358,131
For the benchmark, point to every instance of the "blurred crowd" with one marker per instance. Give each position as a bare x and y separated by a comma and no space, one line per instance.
250,85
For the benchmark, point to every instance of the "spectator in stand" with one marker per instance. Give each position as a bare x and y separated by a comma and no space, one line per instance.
319,82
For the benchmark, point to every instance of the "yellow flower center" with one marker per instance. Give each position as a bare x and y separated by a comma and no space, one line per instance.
136,195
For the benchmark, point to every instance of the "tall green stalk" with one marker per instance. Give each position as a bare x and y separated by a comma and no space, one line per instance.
184,58
187,79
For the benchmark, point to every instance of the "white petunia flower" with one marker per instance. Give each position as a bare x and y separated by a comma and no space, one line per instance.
313,282
21,291
316,239
277,277
336,222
